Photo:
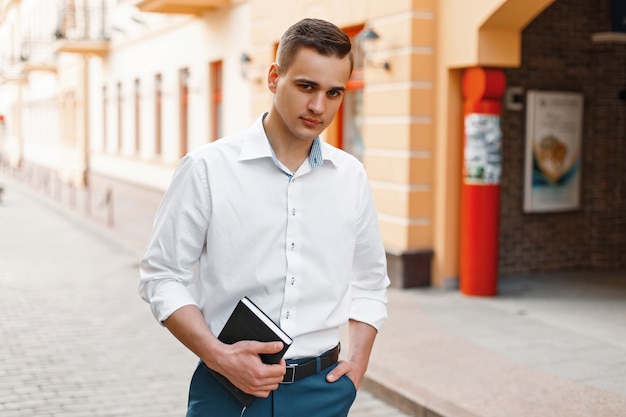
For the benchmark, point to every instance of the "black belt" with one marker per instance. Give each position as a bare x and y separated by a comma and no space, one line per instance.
297,371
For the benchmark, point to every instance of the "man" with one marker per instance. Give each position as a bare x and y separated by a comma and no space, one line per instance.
277,215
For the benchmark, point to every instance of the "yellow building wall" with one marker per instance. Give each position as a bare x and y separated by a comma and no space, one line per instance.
399,126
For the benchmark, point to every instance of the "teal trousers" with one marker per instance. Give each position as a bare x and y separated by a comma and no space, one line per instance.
312,396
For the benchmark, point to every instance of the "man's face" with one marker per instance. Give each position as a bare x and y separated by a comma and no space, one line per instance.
308,94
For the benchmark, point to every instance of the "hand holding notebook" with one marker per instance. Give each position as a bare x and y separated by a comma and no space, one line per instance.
249,322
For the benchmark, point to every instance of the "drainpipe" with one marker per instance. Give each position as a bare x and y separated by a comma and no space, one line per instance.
86,113
19,110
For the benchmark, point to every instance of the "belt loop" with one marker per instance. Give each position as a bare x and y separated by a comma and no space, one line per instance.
318,364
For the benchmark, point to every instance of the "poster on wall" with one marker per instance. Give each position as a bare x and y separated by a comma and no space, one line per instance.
482,160
553,151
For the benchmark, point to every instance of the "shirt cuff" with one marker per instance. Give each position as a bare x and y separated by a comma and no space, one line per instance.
370,311
169,297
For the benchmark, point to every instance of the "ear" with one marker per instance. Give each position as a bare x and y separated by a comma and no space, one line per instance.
272,77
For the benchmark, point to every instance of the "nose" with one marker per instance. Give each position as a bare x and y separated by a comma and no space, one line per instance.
317,104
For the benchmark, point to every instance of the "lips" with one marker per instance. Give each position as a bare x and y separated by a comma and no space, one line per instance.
311,122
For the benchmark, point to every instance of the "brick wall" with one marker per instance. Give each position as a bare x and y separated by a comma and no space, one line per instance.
558,54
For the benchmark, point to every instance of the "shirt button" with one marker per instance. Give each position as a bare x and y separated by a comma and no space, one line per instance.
293,212
293,280
293,245
287,315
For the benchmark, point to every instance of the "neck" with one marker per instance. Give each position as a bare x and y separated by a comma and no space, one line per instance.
289,150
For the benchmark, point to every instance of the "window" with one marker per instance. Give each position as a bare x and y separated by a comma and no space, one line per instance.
183,99
105,118
120,104
350,116
158,109
137,115
215,116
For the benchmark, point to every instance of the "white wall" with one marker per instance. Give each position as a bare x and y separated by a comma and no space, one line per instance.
165,44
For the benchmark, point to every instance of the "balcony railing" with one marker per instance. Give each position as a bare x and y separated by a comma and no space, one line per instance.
83,28
11,68
38,54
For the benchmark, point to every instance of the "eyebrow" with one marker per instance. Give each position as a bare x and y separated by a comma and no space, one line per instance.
316,84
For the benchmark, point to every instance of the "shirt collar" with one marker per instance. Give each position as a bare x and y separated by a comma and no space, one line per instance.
256,145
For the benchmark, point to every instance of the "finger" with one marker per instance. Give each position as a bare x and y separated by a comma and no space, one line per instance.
265,391
265,386
273,347
259,348
267,347
340,370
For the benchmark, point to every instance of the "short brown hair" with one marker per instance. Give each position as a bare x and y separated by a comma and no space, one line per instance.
320,35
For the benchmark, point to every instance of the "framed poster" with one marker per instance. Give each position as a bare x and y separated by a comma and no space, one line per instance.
553,147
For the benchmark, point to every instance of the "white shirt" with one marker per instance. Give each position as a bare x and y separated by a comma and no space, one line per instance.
305,247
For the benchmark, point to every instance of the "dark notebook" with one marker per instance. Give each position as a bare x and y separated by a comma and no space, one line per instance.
249,322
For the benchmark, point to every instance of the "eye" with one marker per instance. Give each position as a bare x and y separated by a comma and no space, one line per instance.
335,93
306,87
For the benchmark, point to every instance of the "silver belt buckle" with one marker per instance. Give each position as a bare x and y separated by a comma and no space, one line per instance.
290,375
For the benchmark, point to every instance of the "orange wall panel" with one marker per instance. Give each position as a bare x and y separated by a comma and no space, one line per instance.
386,135
401,236
423,32
424,4
422,136
421,203
386,102
399,169
387,168
394,235
398,135
422,101
391,201
397,202
403,67
421,170
406,30
422,67
399,102
385,8
420,236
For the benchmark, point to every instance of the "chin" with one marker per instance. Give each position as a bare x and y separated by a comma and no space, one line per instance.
309,136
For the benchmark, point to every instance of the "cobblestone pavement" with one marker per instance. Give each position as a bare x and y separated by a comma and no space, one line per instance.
76,340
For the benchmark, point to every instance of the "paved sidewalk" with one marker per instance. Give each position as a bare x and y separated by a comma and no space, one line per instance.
76,339
551,345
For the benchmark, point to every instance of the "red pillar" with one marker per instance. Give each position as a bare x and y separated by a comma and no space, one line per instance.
483,90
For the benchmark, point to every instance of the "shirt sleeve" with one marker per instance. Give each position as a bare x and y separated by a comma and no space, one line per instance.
167,267
370,281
